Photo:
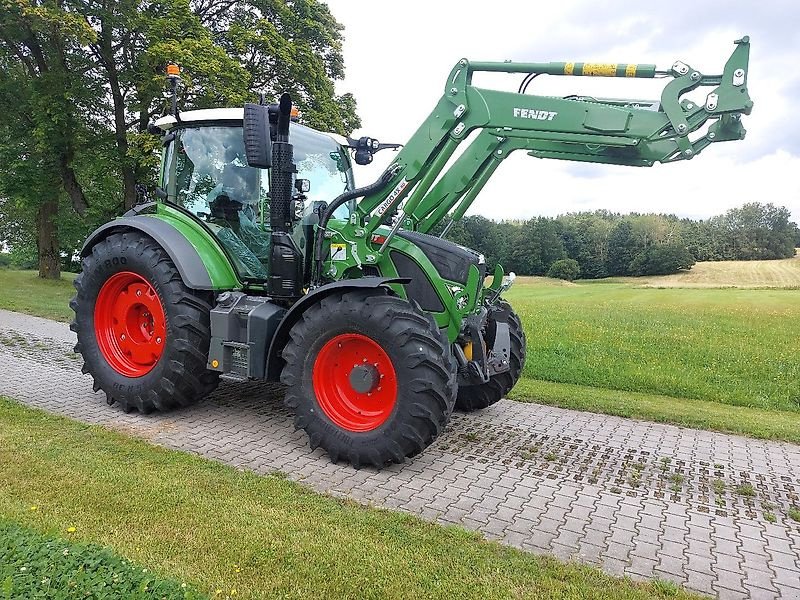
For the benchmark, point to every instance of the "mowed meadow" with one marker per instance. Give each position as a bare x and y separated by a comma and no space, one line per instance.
723,332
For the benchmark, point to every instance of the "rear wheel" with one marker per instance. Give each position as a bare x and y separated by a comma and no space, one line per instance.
370,377
476,397
142,333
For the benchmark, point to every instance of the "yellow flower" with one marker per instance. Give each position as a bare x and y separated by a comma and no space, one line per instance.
218,592
71,530
233,592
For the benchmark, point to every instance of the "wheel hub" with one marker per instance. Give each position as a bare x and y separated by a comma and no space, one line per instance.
130,324
355,382
364,378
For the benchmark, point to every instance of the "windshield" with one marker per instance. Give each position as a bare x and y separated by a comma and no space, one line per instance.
206,172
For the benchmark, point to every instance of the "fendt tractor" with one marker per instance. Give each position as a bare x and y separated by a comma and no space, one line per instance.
259,259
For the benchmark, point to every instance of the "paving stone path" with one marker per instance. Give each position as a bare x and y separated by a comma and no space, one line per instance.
705,510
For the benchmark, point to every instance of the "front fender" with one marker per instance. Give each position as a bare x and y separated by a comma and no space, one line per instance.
274,360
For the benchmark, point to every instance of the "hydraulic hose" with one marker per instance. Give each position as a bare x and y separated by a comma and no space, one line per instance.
319,238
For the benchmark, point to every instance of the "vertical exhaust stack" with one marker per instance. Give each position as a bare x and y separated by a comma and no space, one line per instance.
283,168
286,268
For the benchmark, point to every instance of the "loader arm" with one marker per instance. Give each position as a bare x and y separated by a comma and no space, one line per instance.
614,131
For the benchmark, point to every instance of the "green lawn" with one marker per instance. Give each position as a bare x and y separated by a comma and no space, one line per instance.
728,346
26,292
713,358
219,528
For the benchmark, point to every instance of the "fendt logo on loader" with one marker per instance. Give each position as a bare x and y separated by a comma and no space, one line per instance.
532,113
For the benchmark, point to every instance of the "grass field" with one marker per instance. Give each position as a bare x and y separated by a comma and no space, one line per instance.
731,346
741,274
233,534
24,291
684,352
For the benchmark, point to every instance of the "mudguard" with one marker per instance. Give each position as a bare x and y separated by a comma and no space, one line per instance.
274,360
185,256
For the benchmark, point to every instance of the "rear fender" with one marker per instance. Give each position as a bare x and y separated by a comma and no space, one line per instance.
201,263
274,360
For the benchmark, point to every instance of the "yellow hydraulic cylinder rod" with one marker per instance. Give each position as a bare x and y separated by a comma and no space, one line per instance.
584,69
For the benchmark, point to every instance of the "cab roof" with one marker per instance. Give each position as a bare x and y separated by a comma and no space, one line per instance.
167,122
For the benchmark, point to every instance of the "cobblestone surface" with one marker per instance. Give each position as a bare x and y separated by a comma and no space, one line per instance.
705,510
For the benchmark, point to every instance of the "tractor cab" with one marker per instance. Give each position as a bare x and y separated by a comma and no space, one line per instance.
205,172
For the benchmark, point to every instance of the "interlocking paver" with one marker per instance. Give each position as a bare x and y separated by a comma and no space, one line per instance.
583,505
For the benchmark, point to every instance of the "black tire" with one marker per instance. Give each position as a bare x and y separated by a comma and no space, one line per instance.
179,376
424,366
477,397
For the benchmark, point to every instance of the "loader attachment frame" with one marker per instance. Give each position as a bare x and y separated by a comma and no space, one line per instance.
613,131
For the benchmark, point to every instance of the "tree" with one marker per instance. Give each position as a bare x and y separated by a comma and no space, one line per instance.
565,268
622,248
663,259
43,91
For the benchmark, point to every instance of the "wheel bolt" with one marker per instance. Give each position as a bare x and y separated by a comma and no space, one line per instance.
158,340
365,360
138,292
379,388
122,337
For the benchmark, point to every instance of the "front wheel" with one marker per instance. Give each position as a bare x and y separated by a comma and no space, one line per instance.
476,397
370,377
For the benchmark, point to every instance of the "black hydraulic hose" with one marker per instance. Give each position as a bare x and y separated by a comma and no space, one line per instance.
319,238
523,87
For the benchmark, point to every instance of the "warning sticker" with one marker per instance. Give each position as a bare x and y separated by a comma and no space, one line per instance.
600,69
338,251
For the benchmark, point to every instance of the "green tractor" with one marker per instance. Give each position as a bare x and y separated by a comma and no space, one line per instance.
261,260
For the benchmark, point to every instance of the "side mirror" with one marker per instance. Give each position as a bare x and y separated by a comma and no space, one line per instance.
257,141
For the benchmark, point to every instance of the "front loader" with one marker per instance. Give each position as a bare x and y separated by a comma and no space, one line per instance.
261,260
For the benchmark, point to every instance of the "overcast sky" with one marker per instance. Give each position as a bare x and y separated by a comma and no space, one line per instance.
398,54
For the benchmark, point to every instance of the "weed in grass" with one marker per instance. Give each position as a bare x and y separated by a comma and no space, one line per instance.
794,513
33,561
471,436
719,486
719,466
746,489
550,456
770,517
677,482
634,479
616,490
665,588
638,466
665,460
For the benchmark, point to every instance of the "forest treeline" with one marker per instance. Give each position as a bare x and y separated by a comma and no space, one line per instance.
598,244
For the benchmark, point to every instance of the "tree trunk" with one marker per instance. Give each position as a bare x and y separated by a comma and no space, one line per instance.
47,240
106,52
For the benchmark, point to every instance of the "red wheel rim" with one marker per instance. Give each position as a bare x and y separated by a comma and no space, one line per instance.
129,324
355,382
